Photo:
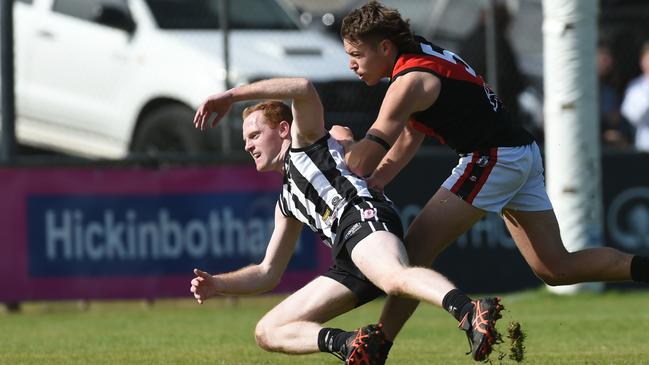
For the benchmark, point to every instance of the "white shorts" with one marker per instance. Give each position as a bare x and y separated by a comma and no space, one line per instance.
498,178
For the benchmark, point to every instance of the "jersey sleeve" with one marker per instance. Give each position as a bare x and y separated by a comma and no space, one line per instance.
283,206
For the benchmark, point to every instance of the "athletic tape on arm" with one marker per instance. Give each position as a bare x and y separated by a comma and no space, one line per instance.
378,140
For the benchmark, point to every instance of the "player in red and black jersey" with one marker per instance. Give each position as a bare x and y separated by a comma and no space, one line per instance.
468,116
434,92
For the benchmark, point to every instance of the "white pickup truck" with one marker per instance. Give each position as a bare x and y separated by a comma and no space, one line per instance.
107,78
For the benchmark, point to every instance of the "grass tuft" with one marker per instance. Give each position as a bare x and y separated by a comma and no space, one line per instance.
516,338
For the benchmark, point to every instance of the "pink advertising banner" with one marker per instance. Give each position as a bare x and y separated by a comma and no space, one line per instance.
129,232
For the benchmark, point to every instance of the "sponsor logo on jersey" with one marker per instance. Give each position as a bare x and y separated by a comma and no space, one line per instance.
369,213
492,97
326,214
331,214
482,161
353,229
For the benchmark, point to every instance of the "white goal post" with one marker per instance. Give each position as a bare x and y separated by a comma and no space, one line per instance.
572,142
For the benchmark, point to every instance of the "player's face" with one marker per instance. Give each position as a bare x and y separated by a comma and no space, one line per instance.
262,142
370,62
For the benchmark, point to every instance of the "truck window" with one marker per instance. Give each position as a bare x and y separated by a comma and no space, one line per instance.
204,14
83,9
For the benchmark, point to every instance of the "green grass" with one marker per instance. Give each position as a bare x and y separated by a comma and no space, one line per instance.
585,329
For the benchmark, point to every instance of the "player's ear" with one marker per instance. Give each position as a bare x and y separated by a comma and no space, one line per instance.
284,129
385,46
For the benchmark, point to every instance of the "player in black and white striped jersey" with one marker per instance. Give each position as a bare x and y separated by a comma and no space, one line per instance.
318,188
358,223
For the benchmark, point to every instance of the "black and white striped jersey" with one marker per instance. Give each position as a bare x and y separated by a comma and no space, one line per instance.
318,187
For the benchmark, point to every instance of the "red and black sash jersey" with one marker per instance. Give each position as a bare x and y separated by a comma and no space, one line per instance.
467,115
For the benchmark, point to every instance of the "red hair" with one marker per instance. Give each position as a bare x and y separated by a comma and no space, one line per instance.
274,112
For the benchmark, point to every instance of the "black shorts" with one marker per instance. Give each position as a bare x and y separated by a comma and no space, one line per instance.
355,281
359,221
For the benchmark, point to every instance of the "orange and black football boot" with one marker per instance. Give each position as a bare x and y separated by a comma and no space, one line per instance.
480,326
365,347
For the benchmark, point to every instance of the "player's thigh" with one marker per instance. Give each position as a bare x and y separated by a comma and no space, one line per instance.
442,220
379,255
483,181
319,301
537,237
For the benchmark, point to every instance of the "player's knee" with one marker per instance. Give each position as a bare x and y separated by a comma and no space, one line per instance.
553,277
558,271
395,283
263,336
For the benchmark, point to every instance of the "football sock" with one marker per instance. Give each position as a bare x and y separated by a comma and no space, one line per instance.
640,269
456,303
385,349
332,339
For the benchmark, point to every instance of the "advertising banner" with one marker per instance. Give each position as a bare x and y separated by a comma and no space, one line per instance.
137,233
108,232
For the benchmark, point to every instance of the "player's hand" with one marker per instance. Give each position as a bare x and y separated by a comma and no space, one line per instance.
203,286
340,132
343,135
217,103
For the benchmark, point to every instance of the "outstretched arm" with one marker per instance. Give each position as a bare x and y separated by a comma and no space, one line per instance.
308,114
256,278
410,93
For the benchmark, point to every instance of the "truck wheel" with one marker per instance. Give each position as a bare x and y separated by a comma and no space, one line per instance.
168,129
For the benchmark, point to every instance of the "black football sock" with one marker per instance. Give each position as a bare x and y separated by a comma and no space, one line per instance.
332,339
385,349
640,269
456,303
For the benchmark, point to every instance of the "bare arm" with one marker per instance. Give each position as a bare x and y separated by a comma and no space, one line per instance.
408,94
397,158
308,114
256,278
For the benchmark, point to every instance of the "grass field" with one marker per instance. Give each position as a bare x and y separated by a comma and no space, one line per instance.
610,328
